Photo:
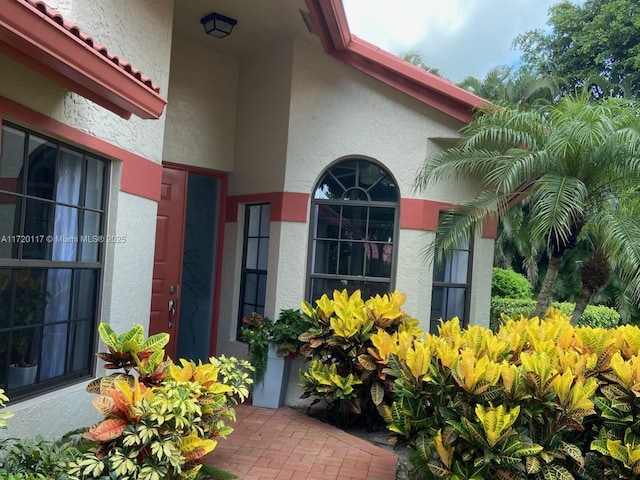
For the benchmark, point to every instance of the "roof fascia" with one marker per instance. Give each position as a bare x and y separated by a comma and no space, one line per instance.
331,24
33,39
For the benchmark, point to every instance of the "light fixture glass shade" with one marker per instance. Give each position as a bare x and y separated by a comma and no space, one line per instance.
218,25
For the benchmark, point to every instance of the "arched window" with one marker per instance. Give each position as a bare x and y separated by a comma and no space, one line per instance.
354,218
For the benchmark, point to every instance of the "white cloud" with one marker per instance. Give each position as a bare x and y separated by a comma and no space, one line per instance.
460,37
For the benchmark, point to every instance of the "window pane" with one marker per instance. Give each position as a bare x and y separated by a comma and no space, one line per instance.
42,168
325,258
30,297
91,228
250,288
262,289
253,211
378,259
58,295
453,269
263,254
54,351
25,343
329,188
251,261
5,338
65,234
5,302
79,351
351,258
384,191
345,173
381,223
447,303
95,184
264,221
10,212
69,177
459,266
38,223
85,294
328,221
354,222
11,160
370,174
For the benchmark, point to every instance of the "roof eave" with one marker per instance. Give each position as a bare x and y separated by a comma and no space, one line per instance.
32,38
331,25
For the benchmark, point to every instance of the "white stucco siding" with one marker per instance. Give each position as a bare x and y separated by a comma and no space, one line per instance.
230,291
336,112
52,415
129,265
201,114
481,281
138,32
264,97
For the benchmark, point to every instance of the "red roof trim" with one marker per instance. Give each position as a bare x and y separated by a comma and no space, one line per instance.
38,37
331,24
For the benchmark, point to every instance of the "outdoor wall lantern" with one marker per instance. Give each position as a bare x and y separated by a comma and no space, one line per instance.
218,25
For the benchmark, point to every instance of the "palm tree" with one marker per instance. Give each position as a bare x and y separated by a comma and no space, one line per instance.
418,59
503,85
566,165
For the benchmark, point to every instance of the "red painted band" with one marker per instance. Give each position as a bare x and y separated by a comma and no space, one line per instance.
284,206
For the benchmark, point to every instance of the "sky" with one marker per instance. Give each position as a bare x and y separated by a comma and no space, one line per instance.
460,37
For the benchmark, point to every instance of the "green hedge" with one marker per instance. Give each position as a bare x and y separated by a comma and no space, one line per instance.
510,284
597,316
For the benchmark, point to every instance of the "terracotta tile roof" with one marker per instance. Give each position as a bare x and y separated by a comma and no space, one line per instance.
101,49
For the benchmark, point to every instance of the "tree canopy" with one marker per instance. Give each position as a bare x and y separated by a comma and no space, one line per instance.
573,167
595,44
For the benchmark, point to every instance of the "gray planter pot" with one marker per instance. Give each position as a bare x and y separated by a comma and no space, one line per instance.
271,392
21,376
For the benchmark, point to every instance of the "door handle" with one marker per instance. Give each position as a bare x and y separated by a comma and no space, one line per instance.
172,313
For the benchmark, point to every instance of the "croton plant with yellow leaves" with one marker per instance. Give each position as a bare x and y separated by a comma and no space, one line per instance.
345,369
539,399
160,419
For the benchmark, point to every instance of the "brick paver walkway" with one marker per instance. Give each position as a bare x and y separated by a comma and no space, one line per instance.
286,444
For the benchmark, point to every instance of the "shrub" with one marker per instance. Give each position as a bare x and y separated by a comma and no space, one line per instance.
509,307
538,399
510,284
597,316
161,422
37,458
342,370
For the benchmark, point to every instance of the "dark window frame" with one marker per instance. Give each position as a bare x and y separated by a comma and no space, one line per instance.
446,286
264,209
336,173
18,262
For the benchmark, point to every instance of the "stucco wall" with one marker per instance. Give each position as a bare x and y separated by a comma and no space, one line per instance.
337,111
139,32
332,111
201,114
263,121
